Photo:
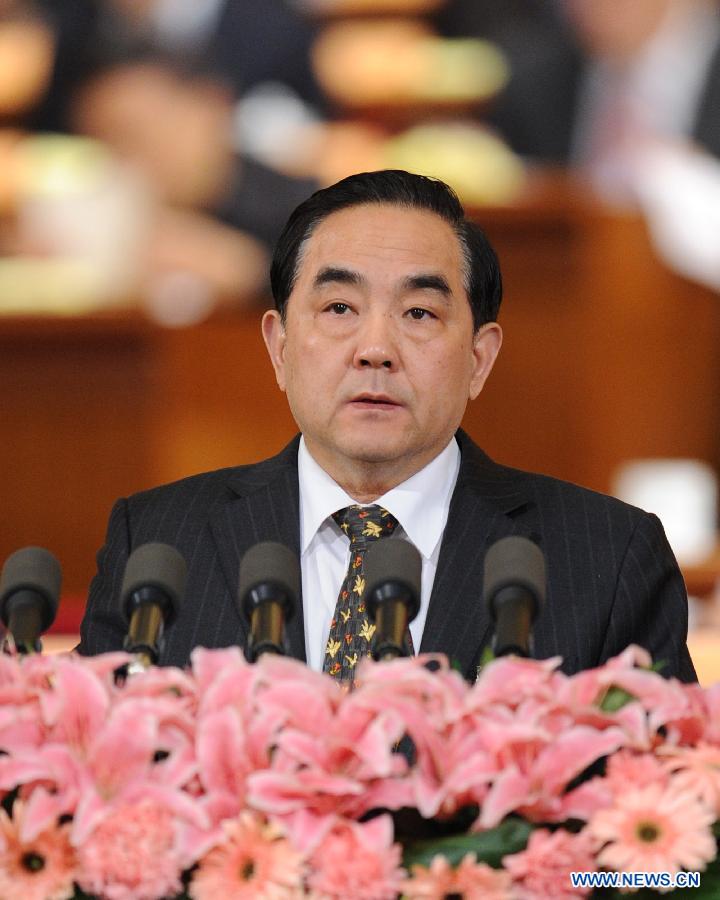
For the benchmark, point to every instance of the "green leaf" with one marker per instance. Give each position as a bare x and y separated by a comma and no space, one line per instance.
615,698
511,836
488,656
709,884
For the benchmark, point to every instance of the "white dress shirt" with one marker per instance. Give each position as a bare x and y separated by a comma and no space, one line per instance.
420,505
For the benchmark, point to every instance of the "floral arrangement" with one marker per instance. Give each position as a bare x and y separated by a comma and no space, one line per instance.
231,780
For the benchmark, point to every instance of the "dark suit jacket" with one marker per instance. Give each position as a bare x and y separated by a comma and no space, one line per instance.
612,578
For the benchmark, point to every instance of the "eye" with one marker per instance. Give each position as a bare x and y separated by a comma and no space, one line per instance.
338,308
418,313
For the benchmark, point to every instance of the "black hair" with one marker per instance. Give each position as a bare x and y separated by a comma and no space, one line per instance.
483,282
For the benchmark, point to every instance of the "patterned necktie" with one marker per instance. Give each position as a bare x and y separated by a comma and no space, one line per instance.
351,630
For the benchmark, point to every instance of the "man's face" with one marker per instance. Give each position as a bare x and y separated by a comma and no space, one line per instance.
377,355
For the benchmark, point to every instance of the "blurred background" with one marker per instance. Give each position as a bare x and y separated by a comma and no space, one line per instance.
151,150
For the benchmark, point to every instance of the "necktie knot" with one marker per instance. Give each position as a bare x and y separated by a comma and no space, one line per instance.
364,524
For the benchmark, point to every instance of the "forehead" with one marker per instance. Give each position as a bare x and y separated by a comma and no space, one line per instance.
385,241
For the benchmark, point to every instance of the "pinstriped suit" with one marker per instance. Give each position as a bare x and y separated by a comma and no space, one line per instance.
612,578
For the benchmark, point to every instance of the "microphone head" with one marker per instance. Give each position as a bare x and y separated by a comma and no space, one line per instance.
393,561
158,566
518,562
33,569
273,567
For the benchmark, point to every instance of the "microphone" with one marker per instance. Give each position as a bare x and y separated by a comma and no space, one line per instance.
29,591
392,571
268,590
151,594
514,592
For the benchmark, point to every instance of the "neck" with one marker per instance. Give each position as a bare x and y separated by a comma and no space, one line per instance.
365,483
365,480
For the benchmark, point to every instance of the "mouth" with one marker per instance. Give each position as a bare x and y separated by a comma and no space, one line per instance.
374,401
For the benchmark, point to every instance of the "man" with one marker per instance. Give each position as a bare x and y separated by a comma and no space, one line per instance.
384,328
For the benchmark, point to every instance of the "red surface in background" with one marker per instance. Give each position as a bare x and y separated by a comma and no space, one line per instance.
69,615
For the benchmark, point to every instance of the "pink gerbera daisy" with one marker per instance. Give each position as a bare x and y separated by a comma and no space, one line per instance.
471,880
543,869
654,829
254,860
41,869
696,770
627,771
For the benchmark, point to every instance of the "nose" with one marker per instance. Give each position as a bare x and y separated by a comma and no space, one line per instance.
376,345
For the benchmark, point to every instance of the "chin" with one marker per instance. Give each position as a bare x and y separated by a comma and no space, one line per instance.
370,451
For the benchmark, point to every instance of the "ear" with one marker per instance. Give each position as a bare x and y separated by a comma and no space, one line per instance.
486,346
273,332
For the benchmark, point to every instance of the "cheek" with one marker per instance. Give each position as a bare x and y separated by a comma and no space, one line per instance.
443,375
322,359
311,375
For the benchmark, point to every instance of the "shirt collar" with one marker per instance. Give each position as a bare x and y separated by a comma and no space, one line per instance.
420,504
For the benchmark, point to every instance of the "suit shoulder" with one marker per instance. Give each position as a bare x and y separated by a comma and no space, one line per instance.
211,485
553,498
200,492
550,492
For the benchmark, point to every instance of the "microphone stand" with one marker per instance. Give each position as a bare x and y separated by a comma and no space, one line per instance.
267,609
268,587
25,624
391,610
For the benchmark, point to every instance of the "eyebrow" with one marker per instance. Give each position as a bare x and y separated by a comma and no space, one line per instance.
427,282
421,282
338,275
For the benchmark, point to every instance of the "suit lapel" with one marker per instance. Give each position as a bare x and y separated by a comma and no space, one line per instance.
488,503
263,505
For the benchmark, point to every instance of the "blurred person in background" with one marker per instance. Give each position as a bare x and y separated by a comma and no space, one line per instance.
590,76
161,85
246,64
178,128
244,44
626,93
27,55
534,111
652,76
647,128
